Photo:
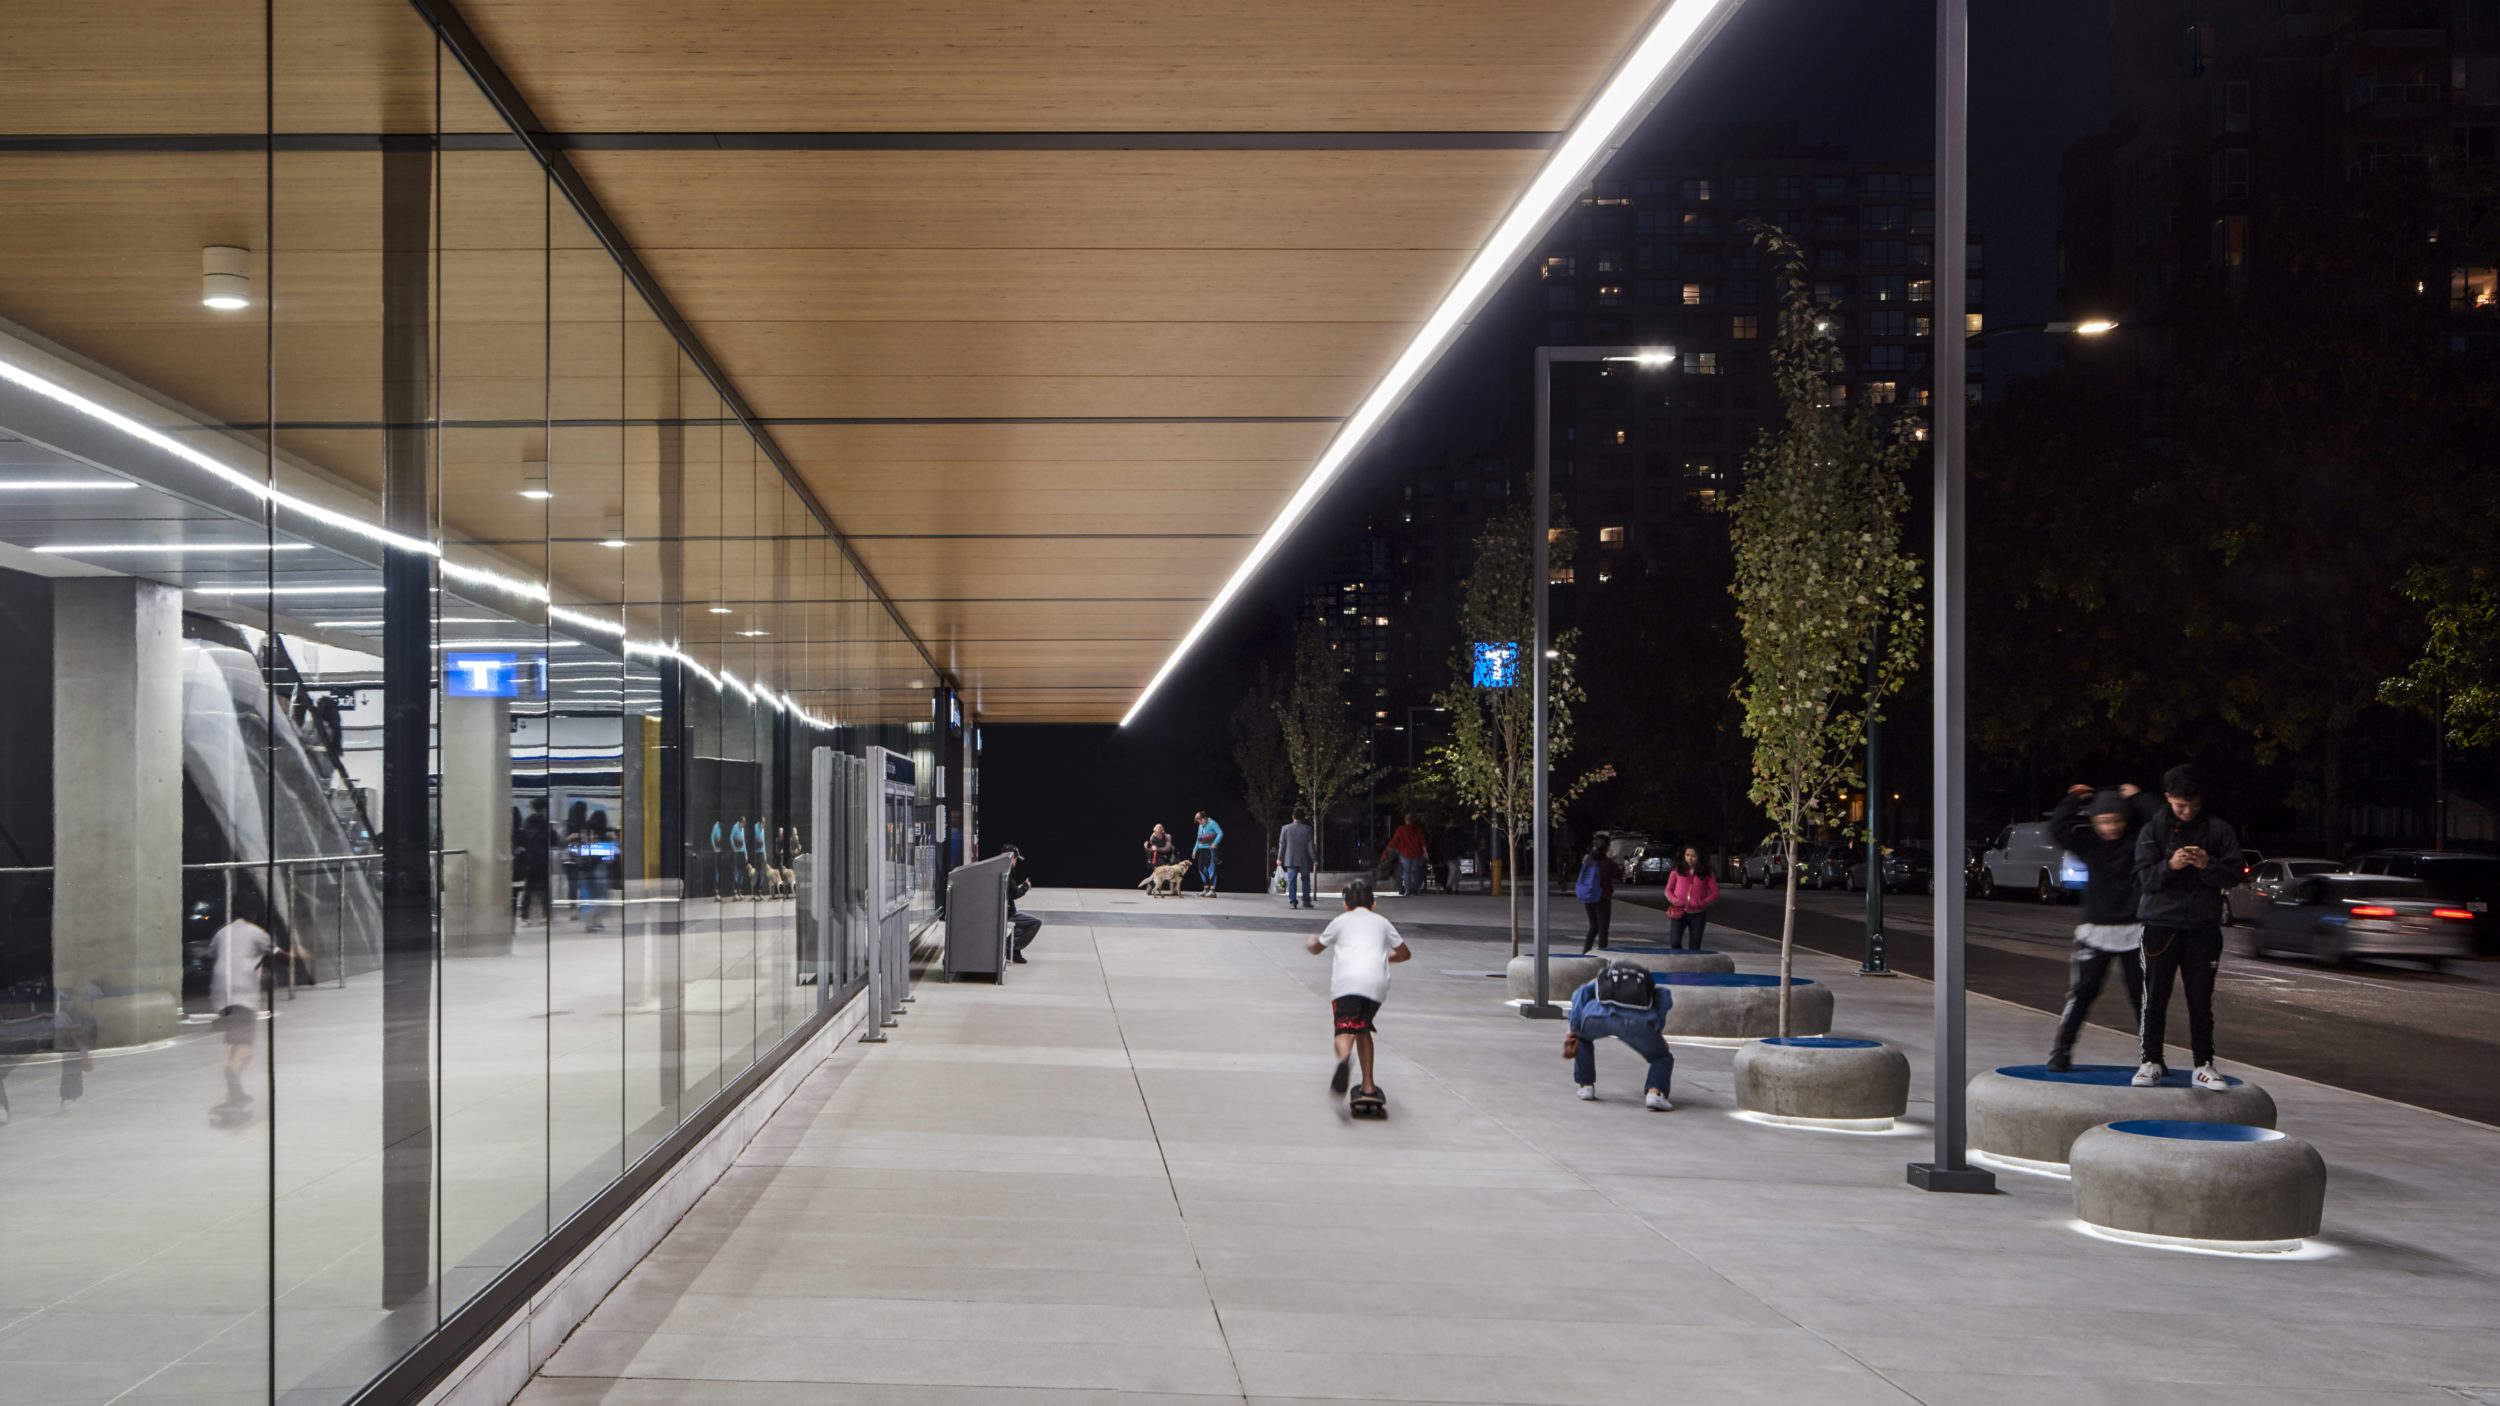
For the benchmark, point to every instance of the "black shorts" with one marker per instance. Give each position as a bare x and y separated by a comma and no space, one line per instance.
1354,1014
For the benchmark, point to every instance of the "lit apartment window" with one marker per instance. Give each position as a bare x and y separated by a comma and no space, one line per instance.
1706,499
1610,261
1610,295
1882,392
1699,295
1922,290
1701,363
1922,326
1700,222
1558,266
1886,288
1696,190
1744,327
1610,536
1558,575
2471,290
1971,322
1619,436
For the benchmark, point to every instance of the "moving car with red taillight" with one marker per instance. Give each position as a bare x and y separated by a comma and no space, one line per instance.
2338,917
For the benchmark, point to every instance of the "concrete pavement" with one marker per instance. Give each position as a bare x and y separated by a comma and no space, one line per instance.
1119,1178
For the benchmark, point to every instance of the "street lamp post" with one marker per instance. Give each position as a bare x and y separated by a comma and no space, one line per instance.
1542,1007
1873,963
1951,1169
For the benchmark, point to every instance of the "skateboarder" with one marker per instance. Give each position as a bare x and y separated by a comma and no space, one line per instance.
1367,945
1623,1002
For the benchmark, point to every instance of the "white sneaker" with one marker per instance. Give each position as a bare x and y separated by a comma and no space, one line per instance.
1588,1093
1657,1102
2147,1075
2206,1078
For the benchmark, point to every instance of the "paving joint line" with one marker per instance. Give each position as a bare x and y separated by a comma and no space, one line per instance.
1146,1105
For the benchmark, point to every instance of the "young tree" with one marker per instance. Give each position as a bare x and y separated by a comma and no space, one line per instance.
1818,565
1259,750
1487,763
1323,748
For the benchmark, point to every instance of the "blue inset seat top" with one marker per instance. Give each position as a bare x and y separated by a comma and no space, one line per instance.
2120,1075
1722,979
2194,1132
1824,1042
1663,951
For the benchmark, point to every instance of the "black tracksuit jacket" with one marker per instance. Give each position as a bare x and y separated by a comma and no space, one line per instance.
2109,896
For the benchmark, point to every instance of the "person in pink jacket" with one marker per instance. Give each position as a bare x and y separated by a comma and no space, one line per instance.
1691,888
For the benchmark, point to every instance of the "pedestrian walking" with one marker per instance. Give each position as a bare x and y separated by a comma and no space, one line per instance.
1596,891
537,840
1410,845
2100,828
238,953
1692,890
1210,835
1622,1001
2184,860
1366,946
1297,851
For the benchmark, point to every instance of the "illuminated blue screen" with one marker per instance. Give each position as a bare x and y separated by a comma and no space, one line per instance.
1497,665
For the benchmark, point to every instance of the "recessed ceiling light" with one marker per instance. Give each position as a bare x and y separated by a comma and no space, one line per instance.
616,531
225,277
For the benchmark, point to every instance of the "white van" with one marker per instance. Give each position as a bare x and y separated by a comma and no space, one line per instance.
2025,857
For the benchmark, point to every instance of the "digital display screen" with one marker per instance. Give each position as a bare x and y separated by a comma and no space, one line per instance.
472,675
1497,665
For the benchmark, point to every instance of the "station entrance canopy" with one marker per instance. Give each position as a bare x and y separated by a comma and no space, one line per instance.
1050,307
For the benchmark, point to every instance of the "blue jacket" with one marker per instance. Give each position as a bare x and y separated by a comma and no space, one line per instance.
1584,1002
1210,834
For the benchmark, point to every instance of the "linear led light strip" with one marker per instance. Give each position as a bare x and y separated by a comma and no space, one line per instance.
59,394
1625,96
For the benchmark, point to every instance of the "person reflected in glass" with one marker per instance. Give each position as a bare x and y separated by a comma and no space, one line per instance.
576,816
596,843
530,854
720,861
238,975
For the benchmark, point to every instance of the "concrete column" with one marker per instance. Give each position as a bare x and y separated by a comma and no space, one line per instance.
476,757
117,804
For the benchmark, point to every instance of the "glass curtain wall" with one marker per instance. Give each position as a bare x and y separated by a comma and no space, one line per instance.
405,772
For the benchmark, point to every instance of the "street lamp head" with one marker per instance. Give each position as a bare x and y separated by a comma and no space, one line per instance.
1652,357
2095,327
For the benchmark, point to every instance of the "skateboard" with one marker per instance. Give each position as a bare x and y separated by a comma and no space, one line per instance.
1367,1105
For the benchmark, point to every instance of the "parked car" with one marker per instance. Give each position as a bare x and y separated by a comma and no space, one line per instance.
1823,866
2336,917
2027,857
1907,869
1650,865
2268,880
1766,867
2471,881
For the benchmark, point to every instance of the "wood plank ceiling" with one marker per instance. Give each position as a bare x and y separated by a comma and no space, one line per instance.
1054,387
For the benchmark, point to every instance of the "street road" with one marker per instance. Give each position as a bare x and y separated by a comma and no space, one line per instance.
2400,1031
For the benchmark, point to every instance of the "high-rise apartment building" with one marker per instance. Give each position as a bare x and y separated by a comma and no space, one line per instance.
2226,114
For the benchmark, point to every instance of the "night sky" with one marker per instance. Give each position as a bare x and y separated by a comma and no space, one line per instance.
1853,74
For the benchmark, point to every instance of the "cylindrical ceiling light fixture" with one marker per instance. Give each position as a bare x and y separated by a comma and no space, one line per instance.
720,603
616,530
225,277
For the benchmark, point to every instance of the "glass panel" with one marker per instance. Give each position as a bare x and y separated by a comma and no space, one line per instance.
653,589
588,770
711,787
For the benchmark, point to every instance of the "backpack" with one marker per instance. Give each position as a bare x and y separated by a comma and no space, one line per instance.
1592,886
1623,984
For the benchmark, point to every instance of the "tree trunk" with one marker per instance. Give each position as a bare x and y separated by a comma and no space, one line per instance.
1510,882
1788,921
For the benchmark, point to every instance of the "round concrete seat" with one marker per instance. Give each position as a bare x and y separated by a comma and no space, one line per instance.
1817,1079
2221,1185
2029,1116
1734,1008
1673,959
1563,975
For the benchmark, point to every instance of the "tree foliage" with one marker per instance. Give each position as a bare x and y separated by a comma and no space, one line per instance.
2456,680
1324,750
1818,568
1488,761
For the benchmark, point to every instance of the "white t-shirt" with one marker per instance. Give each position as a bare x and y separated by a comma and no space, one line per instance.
1363,941
238,949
